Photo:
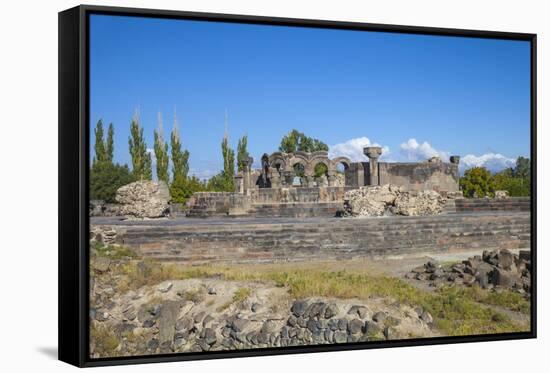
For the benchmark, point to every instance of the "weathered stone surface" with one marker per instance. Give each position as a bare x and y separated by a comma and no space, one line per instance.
340,337
360,311
144,199
101,264
355,326
299,307
394,200
426,202
331,310
379,317
240,324
167,320
370,200
502,194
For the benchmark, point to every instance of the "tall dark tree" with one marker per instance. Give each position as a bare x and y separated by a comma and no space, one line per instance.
228,158
161,152
141,158
99,145
110,144
105,176
297,141
180,158
242,153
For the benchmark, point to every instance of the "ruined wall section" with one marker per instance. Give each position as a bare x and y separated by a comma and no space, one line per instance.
436,176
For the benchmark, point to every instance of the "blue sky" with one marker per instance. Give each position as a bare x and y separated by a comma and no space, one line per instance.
415,95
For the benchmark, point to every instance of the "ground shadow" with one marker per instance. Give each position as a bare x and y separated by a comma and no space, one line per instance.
50,352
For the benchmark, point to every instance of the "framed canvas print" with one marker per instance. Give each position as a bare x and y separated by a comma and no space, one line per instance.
232,186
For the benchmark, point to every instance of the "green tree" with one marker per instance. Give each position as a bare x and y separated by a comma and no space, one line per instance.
523,168
517,180
242,153
223,181
183,188
106,178
180,158
228,158
141,158
320,169
110,144
161,152
297,141
477,182
515,186
99,146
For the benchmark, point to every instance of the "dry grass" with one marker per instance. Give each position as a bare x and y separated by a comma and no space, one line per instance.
106,342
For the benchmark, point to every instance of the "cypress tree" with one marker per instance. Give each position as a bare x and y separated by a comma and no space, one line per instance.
161,152
141,158
99,145
242,153
180,159
110,144
228,173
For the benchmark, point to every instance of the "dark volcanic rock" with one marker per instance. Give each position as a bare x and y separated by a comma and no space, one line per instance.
299,307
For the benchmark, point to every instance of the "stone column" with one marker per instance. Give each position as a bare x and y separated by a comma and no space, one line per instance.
246,173
331,178
373,152
275,178
310,182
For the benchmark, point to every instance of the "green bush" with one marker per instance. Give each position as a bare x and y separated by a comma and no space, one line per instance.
220,183
477,182
182,188
106,178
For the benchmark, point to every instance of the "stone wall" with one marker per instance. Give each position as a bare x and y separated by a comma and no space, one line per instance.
492,204
295,202
436,176
326,238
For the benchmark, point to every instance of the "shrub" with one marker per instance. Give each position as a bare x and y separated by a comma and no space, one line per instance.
106,178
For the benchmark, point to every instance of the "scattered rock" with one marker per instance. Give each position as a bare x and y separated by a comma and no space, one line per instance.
299,307
355,326
167,321
101,264
427,317
165,287
498,268
360,311
379,317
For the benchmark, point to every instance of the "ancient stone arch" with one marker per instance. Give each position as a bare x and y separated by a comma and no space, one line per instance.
344,160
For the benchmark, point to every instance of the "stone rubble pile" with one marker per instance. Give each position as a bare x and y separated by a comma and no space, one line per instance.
164,318
493,269
104,235
144,199
390,199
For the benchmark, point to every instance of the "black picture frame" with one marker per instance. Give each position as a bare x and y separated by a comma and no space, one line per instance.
73,164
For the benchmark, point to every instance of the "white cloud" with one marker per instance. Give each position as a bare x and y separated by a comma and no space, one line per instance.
412,151
491,161
203,174
353,149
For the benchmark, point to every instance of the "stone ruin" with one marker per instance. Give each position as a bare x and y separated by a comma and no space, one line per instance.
304,184
295,170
